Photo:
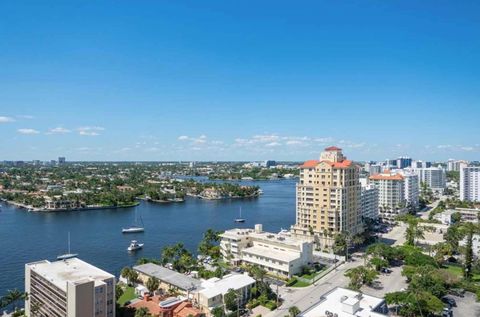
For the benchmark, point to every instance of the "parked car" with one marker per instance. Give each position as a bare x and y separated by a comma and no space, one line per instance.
385,270
450,301
447,312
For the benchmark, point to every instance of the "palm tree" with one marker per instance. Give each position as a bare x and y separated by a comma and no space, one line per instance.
152,284
13,296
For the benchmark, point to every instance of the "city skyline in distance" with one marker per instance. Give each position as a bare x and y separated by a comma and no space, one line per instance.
223,82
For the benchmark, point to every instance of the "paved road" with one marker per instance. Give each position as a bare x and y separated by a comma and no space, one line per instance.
305,297
466,306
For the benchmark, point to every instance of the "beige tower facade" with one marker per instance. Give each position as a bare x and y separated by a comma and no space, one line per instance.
328,198
68,288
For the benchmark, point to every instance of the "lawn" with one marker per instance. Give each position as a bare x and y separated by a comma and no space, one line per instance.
457,270
300,283
128,294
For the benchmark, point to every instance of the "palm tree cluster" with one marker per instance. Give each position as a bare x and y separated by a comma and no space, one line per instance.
12,298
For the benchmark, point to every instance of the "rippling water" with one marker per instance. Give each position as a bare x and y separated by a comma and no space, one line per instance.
97,237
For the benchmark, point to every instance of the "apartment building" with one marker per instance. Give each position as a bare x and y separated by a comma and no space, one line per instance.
369,202
280,254
328,197
456,165
69,288
470,183
391,194
434,177
412,191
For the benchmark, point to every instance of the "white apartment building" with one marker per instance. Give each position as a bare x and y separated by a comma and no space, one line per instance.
470,183
456,165
434,177
343,302
280,254
391,194
69,288
212,291
369,201
412,192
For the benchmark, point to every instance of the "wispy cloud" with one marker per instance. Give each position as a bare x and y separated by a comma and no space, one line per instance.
4,119
58,130
28,131
90,131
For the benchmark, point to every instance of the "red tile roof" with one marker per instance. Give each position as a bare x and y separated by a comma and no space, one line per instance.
333,148
314,163
309,164
384,176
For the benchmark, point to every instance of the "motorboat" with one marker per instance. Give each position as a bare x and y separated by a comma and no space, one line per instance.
134,246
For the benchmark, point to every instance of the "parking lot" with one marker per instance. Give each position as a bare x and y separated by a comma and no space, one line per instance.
388,283
466,306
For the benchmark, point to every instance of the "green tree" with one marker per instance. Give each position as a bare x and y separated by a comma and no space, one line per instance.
467,268
142,312
118,292
152,284
415,303
13,297
294,311
359,276
231,300
218,311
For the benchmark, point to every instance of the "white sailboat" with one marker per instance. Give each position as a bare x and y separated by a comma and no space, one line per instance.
68,255
240,219
135,228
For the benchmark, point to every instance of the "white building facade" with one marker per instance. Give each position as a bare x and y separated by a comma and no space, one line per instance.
470,183
369,202
279,254
434,177
391,194
69,288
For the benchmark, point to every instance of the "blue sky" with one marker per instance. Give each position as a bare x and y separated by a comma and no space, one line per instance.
239,80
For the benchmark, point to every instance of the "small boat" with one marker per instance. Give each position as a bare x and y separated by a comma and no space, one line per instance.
134,246
240,219
68,255
135,228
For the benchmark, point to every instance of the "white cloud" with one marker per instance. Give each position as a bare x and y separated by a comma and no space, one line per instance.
183,138
294,142
28,131
273,144
58,130
4,119
90,131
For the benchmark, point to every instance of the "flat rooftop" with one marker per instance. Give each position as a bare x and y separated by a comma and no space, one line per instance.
171,277
70,270
215,286
334,300
283,237
285,256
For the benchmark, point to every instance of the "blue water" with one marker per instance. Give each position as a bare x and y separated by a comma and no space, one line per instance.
96,235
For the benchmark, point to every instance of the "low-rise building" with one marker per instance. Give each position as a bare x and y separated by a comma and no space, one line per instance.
342,302
466,214
169,279
279,254
69,288
212,291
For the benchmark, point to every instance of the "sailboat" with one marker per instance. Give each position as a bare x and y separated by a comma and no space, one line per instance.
135,228
240,219
68,255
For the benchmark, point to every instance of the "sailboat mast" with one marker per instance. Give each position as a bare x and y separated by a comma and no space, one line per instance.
69,242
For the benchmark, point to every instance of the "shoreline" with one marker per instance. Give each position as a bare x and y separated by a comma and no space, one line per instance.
32,209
